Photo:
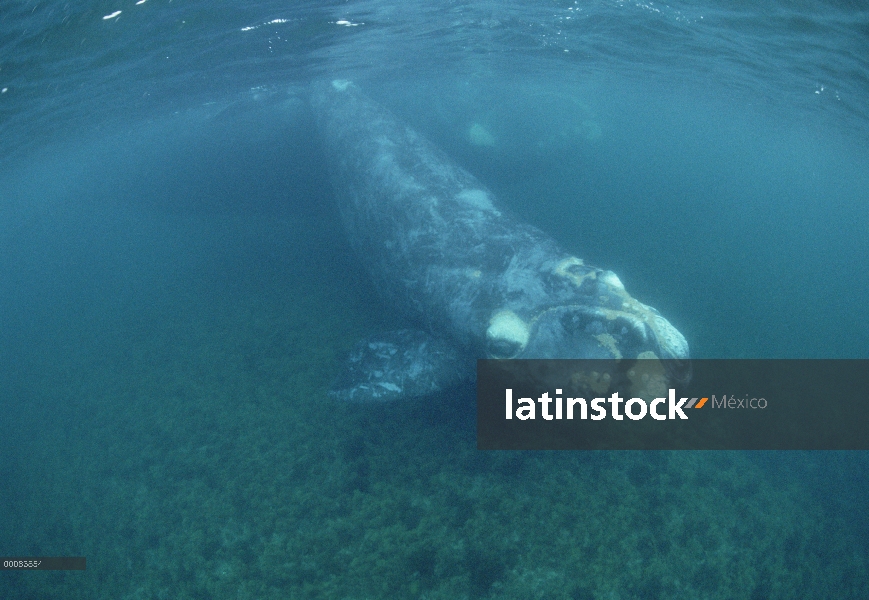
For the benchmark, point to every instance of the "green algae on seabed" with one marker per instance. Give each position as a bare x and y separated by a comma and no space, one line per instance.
212,464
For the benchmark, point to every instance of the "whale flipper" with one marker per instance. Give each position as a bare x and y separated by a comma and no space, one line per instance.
406,364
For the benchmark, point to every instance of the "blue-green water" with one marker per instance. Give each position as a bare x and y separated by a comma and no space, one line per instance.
176,293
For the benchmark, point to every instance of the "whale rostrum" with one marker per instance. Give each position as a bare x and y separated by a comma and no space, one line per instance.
476,282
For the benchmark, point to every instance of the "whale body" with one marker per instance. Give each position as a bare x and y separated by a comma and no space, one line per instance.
475,281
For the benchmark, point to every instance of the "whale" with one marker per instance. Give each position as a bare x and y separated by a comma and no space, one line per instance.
469,279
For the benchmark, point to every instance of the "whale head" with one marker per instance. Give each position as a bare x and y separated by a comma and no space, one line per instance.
601,321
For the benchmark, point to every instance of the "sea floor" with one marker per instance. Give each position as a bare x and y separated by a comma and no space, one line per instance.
186,446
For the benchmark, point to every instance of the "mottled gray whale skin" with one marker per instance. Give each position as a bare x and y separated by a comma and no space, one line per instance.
439,249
